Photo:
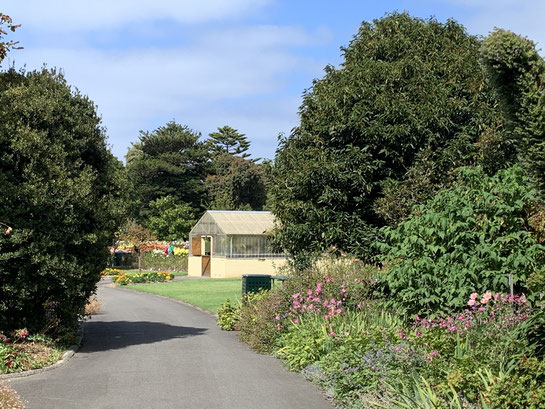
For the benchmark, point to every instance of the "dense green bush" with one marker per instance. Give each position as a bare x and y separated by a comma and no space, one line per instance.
409,93
468,238
158,261
63,195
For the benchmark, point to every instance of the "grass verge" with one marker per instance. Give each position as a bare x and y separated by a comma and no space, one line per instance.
209,294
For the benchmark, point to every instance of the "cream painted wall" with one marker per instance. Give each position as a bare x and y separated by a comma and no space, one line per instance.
222,267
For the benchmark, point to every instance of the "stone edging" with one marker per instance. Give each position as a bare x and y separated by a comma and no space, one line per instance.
69,353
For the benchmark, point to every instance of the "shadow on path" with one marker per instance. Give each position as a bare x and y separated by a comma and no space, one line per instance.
103,336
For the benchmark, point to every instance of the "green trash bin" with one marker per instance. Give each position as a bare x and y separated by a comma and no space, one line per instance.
253,283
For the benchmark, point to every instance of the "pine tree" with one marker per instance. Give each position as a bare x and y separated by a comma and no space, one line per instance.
228,140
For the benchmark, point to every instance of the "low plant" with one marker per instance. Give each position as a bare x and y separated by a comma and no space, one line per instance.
228,315
93,306
9,398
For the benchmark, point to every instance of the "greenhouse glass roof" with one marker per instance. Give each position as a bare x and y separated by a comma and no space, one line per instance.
225,222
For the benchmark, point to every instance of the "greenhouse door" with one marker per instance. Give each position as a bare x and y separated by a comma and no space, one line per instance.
207,247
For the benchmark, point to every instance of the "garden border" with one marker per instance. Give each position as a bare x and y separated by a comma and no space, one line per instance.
69,353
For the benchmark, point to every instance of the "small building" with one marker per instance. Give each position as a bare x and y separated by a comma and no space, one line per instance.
232,243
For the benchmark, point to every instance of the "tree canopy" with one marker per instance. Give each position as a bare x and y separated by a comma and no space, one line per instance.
236,184
409,95
62,193
228,140
5,46
170,161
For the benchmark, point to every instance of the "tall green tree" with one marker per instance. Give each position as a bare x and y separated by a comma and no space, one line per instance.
62,192
170,161
237,184
170,220
409,93
517,72
228,140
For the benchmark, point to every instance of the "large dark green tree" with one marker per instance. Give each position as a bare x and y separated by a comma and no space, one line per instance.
170,161
62,194
408,104
237,184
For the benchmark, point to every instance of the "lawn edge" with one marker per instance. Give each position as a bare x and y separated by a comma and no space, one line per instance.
212,314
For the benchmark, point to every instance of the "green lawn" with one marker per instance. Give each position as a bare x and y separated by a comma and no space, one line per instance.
207,293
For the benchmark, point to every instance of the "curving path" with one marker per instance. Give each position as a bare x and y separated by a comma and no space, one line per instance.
144,351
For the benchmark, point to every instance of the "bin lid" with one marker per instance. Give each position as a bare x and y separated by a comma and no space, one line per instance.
257,275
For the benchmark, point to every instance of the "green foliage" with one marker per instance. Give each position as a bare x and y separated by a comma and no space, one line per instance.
228,140
147,277
151,260
237,184
228,315
5,46
468,238
61,194
168,161
409,90
518,76
170,220
257,322
523,389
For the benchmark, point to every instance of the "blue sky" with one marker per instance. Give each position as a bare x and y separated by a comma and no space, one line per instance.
209,63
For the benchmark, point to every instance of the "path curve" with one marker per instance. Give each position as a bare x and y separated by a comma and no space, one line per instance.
144,351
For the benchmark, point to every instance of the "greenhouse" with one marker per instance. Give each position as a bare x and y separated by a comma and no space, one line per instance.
232,243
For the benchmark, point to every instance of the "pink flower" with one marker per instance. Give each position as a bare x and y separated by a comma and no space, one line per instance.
309,292
471,302
296,320
277,317
473,296
296,295
332,333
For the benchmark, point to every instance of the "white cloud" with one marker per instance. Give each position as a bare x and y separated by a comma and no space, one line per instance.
65,15
523,17
213,82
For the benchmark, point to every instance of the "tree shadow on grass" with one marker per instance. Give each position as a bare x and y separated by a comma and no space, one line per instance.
104,336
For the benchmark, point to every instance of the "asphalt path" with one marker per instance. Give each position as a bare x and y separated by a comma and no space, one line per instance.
144,351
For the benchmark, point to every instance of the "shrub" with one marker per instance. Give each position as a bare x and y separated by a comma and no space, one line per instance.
63,193
468,238
228,315
259,319
523,389
157,260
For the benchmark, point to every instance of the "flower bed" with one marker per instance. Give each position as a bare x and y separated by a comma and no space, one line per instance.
330,324
149,277
22,352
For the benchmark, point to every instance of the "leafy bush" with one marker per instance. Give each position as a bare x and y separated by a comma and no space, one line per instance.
228,315
63,193
468,238
522,389
259,319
